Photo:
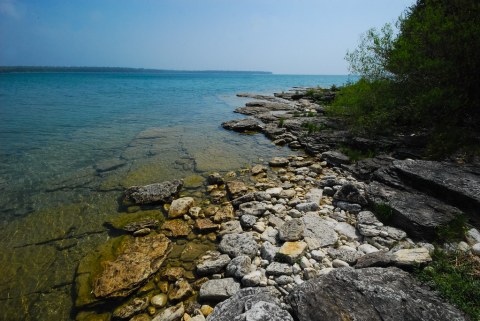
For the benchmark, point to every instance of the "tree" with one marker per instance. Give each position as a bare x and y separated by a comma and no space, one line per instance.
426,77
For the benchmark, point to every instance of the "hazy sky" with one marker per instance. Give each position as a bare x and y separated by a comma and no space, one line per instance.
282,36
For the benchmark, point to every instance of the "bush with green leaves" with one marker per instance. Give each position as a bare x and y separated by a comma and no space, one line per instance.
425,77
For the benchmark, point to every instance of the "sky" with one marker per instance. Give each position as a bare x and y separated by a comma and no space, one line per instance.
281,36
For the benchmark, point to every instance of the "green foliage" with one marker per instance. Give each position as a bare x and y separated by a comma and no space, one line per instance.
454,231
281,122
356,154
425,78
313,128
321,95
457,277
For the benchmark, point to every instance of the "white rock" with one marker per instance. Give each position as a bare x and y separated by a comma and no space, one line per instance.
472,236
476,249
305,263
367,248
318,255
339,263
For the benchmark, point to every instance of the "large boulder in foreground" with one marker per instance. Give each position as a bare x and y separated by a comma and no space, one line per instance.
153,193
369,294
140,259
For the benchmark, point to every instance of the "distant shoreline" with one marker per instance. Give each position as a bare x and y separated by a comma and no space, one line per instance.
19,69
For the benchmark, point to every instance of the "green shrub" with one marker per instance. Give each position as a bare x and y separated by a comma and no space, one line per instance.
456,276
383,212
356,154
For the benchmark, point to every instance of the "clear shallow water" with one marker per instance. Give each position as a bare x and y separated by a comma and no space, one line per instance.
57,130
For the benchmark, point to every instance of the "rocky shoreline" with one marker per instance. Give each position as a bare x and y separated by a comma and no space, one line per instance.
290,239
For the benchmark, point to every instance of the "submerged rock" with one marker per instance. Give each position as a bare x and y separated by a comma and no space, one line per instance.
139,260
180,207
243,125
153,193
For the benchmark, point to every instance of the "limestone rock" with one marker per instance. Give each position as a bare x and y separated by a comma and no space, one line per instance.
291,251
372,294
347,230
218,289
257,169
239,267
243,300
138,261
255,278
205,225
243,125
266,311
174,313
350,193
318,233
154,193
238,244
236,189
159,300
411,257
126,311
180,291
416,213
212,263
253,208
177,227
291,230
276,268
279,162
335,158
180,207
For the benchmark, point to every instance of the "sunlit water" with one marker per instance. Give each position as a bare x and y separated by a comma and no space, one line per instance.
59,132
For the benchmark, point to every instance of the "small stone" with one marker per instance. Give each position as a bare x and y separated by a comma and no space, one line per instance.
318,255
173,273
212,263
215,179
255,278
367,248
307,207
231,227
239,267
268,251
291,251
277,268
274,192
206,310
253,208
339,263
248,221
259,226
195,211
278,162
205,225
159,300
218,290
236,189
472,236
135,306
284,280
177,227
173,313
291,230
238,244
180,207
411,257
476,249
347,230
180,291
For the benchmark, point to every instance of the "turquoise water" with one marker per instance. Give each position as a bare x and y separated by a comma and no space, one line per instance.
60,131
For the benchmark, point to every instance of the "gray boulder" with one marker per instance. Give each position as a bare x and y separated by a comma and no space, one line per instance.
369,294
335,158
153,193
350,193
238,244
